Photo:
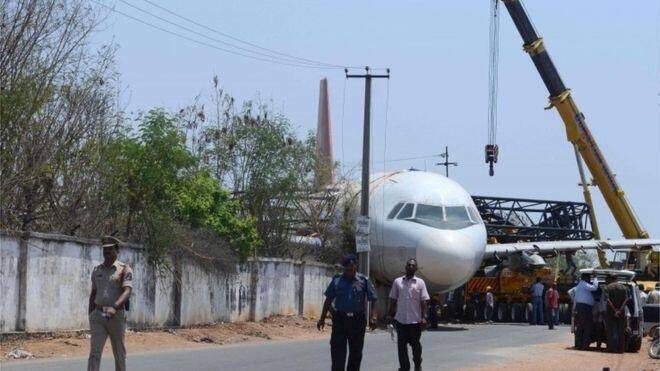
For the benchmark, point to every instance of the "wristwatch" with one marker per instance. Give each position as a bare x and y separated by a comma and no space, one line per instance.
115,306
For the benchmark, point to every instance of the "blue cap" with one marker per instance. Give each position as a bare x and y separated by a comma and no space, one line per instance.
348,260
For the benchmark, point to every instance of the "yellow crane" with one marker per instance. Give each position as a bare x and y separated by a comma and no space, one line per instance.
579,135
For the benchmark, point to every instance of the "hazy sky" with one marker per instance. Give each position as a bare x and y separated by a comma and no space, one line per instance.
607,53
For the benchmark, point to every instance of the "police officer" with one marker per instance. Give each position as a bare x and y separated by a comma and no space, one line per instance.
616,295
112,282
349,291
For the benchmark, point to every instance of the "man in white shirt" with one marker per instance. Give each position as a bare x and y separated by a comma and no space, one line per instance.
409,299
584,302
490,304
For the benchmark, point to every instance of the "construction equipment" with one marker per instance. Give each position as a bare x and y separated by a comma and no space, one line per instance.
492,150
579,134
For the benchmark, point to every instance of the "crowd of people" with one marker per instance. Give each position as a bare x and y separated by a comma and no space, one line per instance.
603,312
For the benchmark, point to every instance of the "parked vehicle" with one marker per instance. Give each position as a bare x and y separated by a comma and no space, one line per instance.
634,313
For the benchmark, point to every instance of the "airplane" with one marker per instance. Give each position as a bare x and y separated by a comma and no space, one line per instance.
427,216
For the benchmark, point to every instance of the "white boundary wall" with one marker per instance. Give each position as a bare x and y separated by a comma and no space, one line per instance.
45,285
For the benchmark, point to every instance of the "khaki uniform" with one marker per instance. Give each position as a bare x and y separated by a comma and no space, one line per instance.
615,327
108,285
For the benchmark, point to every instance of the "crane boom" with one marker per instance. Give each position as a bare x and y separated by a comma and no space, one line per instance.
576,127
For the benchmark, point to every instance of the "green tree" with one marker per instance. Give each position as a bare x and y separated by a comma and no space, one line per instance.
201,202
156,188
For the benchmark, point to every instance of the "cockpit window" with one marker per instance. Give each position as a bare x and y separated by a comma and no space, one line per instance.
457,214
395,210
474,214
429,212
406,212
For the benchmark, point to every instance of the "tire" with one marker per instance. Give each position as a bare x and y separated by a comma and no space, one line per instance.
528,312
480,312
654,349
470,313
564,313
502,312
517,314
513,312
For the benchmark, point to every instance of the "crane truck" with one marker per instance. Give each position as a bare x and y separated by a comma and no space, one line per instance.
585,145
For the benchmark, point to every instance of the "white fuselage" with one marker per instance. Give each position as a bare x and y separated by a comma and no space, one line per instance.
424,215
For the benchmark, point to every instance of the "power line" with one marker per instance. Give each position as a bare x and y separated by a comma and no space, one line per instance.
311,61
288,60
207,44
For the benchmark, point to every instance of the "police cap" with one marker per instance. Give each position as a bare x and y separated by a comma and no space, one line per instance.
110,241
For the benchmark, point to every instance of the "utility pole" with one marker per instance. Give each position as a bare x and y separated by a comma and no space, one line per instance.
363,251
446,164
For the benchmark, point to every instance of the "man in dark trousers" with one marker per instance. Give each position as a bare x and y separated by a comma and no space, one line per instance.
537,290
350,292
409,299
112,283
551,305
584,303
616,295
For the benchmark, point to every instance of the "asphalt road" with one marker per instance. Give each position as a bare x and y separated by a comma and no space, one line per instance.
448,348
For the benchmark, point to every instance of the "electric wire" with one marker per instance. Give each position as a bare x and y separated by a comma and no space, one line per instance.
311,61
287,59
203,43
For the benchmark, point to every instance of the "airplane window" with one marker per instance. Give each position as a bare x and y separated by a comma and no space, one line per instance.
406,212
395,210
429,212
474,214
457,214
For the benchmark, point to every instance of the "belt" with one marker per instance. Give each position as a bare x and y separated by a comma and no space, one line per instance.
348,314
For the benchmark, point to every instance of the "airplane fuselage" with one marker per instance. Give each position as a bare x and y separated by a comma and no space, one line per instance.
424,215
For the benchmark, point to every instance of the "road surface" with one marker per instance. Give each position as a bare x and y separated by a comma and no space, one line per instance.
448,348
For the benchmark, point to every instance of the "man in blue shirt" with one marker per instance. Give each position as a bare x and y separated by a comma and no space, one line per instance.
349,291
584,302
537,302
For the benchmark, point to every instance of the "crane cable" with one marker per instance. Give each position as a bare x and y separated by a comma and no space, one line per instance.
492,149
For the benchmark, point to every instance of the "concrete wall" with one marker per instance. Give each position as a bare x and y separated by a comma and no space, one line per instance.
56,283
9,255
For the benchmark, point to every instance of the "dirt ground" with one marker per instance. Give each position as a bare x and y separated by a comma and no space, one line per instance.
558,356
77,344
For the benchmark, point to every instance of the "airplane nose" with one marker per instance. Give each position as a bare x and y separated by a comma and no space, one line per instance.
449,258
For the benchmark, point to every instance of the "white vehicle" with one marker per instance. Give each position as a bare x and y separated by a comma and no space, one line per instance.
634,314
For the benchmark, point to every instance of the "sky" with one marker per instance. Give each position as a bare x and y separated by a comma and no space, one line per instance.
437,96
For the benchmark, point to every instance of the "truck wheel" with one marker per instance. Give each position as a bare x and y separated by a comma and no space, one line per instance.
528,312
513,312
502,312
470,313
564,313
517,312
